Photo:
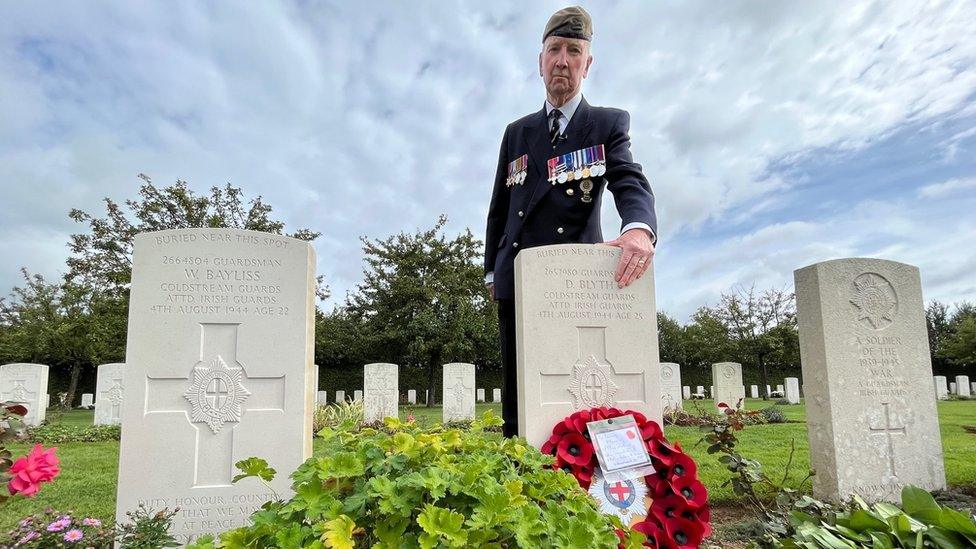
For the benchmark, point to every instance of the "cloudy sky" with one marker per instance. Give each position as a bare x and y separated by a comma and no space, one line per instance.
775,134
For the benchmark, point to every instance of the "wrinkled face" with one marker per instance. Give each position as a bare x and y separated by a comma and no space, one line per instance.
563,64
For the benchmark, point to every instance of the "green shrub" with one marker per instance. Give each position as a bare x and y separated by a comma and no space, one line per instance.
773,415
59,433
407,486
345,416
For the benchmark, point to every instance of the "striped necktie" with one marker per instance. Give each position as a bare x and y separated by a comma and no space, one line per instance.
554,127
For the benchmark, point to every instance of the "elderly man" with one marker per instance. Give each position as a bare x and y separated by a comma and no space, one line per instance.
552,170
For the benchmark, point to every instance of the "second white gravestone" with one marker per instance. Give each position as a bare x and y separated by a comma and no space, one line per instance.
582,341
218,369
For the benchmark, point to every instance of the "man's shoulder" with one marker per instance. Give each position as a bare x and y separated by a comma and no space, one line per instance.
528,120
607,113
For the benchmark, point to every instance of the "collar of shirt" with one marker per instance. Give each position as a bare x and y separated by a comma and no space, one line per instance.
567,110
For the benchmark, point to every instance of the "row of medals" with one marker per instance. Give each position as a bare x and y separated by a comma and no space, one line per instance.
584,174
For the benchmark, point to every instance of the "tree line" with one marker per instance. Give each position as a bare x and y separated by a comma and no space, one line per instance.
421,303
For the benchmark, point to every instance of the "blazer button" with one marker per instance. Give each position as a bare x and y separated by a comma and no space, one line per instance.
521,213
515,244
559,230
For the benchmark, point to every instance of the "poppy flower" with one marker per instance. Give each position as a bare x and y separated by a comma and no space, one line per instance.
653,530
574,449
583,474
668,507
691,490
651,430
702,516
659,448
682,466
683,533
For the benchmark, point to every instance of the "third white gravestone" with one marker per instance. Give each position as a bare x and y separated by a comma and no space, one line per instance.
582,342
458,395
871,414
381,388
727,379
671,386
109,393
218,369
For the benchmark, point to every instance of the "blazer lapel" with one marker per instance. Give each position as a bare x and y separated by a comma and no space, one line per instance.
576,133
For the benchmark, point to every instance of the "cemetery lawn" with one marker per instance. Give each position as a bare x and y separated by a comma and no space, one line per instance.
90,470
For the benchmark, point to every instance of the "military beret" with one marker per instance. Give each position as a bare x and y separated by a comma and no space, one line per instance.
571,22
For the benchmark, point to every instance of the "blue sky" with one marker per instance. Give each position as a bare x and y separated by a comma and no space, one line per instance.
774,134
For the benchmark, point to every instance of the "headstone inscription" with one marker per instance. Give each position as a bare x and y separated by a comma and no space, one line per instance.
381,382
26,384
582,341
218,369
727,380
458,395
110,392
671,386
871,413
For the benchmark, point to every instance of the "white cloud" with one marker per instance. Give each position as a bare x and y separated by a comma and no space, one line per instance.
949,187
370,118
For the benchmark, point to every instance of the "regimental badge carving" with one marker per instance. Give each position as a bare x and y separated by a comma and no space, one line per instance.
875,301
114,393
216,394
728,372
667,372
19,392
624,499
591,385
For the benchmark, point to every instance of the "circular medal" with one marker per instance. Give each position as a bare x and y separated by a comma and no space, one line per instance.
602,169
586,171
569,191
570,176
586,185
578,174
586,198
521,178
562,178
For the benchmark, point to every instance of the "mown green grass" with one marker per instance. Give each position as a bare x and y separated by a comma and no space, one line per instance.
89,470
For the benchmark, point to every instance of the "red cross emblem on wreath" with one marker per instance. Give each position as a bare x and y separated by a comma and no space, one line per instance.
624,498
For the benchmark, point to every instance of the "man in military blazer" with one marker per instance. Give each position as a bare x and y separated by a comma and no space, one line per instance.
553,168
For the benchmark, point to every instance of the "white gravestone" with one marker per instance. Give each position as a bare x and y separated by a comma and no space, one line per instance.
340,396
727,378
780,390
25,384
321,398
872,422
972,388
481,395
941,391
357,395
458,396
87,400
793,390
110,391
699,390
686,392
582,341
952,387
218,369
47,401
496,395
962,385
753,391
412,396
768,392
671,386
381,383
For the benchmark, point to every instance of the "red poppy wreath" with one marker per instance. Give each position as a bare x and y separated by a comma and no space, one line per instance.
670,506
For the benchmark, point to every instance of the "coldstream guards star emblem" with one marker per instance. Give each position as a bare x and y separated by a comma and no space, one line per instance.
591,386
216,394
874,300
624,499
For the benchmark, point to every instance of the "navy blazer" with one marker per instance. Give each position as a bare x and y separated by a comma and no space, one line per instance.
537,212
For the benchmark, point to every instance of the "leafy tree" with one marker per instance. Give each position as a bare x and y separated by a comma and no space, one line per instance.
423,303
958,346
760,324
102,256
671,339
937,322
706,340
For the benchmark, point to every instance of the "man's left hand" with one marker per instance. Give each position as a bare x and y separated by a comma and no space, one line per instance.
638,251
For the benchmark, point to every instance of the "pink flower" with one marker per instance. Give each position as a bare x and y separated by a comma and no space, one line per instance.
58,525
92,522
32,470
28,538
73,535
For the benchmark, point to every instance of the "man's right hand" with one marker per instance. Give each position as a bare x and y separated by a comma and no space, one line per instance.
491,291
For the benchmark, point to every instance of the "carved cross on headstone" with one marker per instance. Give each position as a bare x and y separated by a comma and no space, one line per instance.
591,382
458,391
888,430
114,395
214,397
379,389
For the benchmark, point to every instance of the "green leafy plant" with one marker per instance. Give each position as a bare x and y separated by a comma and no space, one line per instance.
147,529
345,416
921,522
59,433
773,414
403,485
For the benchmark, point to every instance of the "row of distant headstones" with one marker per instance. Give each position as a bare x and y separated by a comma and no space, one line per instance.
411,398
960,387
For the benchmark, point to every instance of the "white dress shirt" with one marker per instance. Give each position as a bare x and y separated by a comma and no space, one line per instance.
566,113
